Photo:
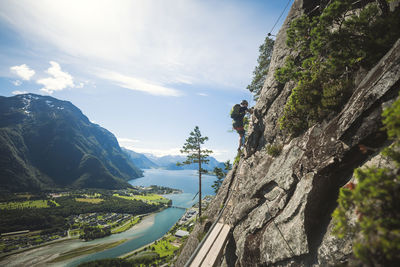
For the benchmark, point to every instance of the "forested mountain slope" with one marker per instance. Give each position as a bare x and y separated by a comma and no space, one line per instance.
46,143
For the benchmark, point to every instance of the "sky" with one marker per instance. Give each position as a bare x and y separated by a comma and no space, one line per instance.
148,71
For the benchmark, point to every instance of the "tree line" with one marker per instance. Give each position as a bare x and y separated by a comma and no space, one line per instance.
55,217
92,232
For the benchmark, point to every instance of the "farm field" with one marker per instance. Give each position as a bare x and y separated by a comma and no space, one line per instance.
150,198
158,253
26,204
164,247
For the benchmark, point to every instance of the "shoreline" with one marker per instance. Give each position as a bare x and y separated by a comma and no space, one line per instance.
44,253
142,223
60,240
146,221
82,251
64,239
130,253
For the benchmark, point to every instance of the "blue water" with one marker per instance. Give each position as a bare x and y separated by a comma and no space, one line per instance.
186,180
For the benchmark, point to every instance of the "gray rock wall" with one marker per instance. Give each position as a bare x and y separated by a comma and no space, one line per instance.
280,207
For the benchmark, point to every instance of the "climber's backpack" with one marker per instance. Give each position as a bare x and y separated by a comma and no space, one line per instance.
235,112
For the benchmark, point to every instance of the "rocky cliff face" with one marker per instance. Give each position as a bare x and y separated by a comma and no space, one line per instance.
279,208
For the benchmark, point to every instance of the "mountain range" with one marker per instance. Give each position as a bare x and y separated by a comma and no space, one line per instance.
168,162
47,144
140,160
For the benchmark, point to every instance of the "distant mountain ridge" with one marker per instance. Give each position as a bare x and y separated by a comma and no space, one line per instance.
46,143
140,160
168,162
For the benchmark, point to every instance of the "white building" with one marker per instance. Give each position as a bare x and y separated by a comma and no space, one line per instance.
181,233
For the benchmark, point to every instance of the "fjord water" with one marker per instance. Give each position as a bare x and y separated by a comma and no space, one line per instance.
185,180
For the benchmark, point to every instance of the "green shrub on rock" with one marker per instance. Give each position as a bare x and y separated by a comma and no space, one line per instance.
330,48
376,201
274,150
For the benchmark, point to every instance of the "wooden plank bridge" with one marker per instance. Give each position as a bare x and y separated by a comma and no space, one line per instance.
211,250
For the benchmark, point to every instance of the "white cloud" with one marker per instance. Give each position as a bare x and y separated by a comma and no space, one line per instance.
133,144
138,84
127,142
163,42
219,154
19,92
157,152
80,85
58,81
140,147
202,94
17,82
23,71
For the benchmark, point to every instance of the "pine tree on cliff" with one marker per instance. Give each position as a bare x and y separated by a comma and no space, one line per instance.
196,154
261,70
220,174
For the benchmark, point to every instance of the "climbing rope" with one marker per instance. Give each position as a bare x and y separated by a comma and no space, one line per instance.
287,243
269,34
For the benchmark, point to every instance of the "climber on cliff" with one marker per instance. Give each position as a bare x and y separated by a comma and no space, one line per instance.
237,114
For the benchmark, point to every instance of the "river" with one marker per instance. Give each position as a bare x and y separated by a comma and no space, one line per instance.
150,229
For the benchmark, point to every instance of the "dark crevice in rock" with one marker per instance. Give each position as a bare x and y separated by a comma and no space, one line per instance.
230,251
295,261
255,137
294,176
259,137
322,199
207,226
252,254
321,203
